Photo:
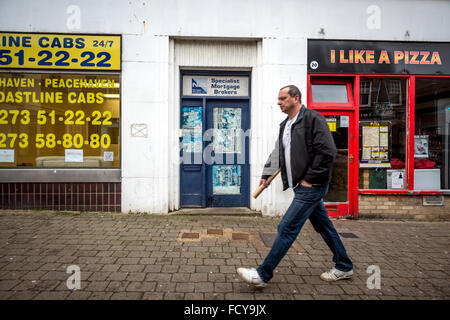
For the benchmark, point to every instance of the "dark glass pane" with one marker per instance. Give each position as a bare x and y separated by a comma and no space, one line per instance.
329,92
432,134
338,190
382,118
59,120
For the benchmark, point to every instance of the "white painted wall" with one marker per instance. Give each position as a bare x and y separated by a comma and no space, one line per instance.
149,84
425,20
145,94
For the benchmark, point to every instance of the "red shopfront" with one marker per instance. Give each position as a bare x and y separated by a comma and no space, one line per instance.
388,108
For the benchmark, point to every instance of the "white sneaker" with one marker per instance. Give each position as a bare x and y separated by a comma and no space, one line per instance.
251,276
335,275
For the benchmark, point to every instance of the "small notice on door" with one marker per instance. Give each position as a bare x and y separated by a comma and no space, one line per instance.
332,124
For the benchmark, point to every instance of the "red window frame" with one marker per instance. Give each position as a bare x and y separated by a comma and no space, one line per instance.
407,142
341,209
355,98
412,131
410,127
327,105
351,80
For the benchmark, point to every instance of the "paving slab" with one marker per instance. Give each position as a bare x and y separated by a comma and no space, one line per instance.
124,256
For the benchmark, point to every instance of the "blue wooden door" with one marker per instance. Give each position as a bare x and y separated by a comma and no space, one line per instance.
226,153
192,171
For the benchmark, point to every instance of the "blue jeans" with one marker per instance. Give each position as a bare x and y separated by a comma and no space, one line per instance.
307,203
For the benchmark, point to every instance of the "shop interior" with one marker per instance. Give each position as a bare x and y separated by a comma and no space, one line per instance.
432,133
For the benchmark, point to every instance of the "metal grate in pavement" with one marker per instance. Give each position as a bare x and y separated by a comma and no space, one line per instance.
268,238
348,235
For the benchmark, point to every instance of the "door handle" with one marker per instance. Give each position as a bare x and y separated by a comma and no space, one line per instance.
351,158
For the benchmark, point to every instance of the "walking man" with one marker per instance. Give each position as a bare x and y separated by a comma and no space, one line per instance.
305,151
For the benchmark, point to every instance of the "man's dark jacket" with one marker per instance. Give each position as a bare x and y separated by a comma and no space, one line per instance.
312,151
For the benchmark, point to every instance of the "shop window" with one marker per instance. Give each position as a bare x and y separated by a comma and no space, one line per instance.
382,154
330,92
395,92
59,120
432,134
365,93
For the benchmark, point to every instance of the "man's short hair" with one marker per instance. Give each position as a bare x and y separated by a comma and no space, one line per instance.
293,91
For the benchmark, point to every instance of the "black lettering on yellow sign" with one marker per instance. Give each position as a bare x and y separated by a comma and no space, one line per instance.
56,51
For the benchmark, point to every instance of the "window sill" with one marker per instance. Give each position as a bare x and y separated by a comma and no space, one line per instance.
60,175
406,192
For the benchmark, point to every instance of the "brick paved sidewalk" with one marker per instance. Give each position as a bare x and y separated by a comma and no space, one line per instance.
195,257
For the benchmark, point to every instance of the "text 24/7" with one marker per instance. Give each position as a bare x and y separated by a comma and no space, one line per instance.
104,44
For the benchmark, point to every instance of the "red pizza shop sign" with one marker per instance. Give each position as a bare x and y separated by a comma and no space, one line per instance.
332,56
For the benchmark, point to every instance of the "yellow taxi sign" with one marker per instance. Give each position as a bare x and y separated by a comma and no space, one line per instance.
59,51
